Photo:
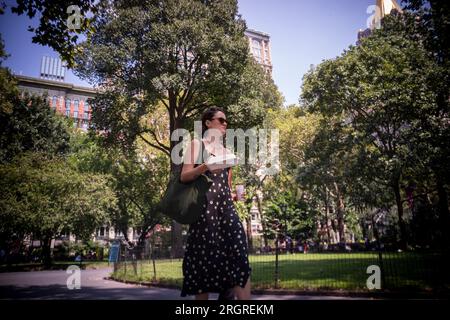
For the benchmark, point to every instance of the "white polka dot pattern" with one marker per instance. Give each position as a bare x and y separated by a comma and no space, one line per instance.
216,245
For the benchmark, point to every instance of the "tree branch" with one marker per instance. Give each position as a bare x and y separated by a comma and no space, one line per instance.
165,104
196,107
155,137
163,149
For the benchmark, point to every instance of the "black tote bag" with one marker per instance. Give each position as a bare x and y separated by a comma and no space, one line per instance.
184,202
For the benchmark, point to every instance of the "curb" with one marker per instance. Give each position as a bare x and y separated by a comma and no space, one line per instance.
144,283
338,293
52,268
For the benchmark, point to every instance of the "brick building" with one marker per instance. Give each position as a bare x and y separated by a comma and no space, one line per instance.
65,98
259,44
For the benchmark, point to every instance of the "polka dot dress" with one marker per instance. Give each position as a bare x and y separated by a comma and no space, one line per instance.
216,256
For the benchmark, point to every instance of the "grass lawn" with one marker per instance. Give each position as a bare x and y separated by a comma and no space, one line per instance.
346,271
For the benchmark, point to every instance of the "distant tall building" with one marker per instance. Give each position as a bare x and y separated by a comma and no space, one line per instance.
53,69
383,8
259,43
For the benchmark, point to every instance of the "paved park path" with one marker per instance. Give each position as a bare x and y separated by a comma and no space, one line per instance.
52,285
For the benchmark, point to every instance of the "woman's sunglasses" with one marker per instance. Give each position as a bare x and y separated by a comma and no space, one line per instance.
221,120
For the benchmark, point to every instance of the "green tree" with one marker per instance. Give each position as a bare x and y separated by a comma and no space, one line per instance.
138,185
378,90
430,24
44,198
8,86
288,205
52,29
137,180
28,123
31,125
184,55
181,55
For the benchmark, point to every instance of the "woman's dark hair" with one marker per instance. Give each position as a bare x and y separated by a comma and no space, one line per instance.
208,114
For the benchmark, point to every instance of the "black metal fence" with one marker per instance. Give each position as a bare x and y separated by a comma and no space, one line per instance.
362,271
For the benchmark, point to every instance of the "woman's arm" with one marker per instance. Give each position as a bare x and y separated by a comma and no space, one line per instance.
188,172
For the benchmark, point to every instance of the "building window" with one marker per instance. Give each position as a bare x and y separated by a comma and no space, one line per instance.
76,123
75,113
256,49
76,104
86,110
256,45
266,53
54,101
68,107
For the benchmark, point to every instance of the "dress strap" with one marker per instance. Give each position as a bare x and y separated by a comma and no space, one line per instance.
202,154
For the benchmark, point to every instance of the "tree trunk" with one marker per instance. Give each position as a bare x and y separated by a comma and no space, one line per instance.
340,213
249,232
249,225
177,240
125,235
46,253
401,223
327,208
264,228
176,230
263,224
444,214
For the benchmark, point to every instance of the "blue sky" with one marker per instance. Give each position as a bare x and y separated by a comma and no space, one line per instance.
303,33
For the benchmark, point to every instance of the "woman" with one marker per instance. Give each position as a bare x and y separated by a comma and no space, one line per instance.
216,257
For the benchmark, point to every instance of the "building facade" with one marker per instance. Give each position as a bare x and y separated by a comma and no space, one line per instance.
259,44
64,98
382,9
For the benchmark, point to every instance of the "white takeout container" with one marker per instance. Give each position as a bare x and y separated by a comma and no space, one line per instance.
221,162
